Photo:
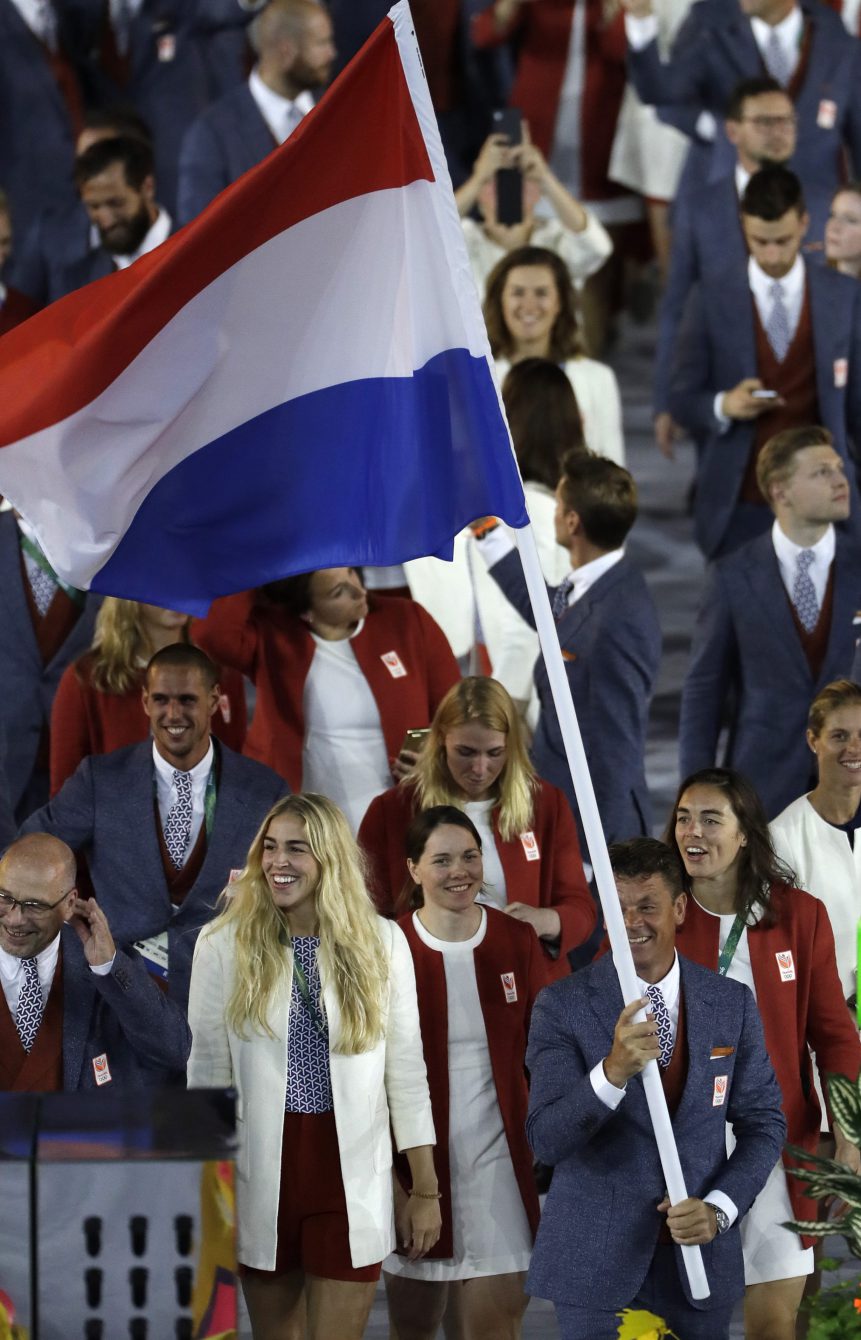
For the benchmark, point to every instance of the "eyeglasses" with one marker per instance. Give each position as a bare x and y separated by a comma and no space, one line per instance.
770,122
29,907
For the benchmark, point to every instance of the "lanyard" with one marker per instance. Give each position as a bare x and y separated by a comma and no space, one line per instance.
38,557
311,1007
726,954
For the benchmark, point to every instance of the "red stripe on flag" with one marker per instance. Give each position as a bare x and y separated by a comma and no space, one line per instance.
362,137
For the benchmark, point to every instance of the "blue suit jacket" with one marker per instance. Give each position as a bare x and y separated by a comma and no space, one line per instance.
856,664
28,686
599,1227
224,142
105,811
715,48
707,361
611,641
56,238
123,1016
746,652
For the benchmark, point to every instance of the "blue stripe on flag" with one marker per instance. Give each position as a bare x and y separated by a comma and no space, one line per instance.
375,471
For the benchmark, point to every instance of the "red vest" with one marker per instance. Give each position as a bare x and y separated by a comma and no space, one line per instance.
179,882
41,1070
795,381
815,644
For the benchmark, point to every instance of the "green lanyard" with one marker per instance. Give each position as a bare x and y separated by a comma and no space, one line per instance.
209,799
726,954
37,556
311,1008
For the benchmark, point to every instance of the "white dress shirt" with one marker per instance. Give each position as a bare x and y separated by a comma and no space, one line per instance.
787,552
742,177
282,115
789,33
497,543
792,286
12,973
158,232
166,791
39,18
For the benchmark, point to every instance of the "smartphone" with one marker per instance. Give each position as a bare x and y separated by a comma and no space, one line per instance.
509,181
764,395
414,740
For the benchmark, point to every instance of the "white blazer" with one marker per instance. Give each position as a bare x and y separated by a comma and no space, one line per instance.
368,1090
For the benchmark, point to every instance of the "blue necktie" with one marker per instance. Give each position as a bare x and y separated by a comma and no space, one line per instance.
777,330
665,1028
560,597
177,825
804,592
30,1008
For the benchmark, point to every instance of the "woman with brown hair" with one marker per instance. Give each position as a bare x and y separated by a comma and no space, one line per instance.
530,309
475,759
97,707
843,230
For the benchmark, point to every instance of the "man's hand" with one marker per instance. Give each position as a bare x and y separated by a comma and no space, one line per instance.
93,931
543,920
692,1222
634,1045
740,403
403,765
667,434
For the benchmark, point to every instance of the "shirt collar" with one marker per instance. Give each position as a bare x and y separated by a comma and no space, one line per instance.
792,282
275,109
46,962
158,233
787,550
200,770
587,575
742,177
790,30
669,985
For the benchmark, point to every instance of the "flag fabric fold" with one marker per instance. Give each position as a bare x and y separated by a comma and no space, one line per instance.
300,378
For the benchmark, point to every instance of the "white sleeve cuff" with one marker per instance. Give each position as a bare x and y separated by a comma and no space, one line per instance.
495,545
606,1092
102,969
640,31
706,127
722,419
722,1202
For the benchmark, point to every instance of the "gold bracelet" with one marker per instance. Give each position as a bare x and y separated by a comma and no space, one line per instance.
427,1195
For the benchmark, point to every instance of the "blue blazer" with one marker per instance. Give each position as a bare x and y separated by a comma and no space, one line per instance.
715,48
56,238
747,658
28,685
123,1016
707,361
856,664
105,811
224,142
611,642
36,145
599,1227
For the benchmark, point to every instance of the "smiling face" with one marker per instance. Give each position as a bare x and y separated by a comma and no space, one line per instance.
530,306
652,917
179,706
838,748
707,833
26,932
290,869
843,229
449,871
475,757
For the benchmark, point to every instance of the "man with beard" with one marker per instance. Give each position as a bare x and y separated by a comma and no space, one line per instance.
116,182
292,40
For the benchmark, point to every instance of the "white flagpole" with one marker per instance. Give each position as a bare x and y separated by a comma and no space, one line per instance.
600,859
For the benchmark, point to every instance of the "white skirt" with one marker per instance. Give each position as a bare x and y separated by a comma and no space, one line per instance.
647,155
770,1251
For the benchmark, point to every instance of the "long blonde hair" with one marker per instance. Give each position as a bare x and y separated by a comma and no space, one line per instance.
350,942
120,646
485,701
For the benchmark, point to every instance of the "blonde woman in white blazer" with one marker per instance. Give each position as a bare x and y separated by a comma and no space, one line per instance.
303,999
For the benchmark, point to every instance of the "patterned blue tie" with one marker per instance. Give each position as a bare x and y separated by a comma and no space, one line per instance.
560,597
776,60
665,1028
804,592
777,331
177,825
30,1008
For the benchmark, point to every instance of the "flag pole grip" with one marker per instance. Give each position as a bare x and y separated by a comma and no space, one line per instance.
600,859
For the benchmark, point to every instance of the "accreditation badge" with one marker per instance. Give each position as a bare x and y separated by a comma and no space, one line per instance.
785,965
393,663
509,986
719,1091
101,1069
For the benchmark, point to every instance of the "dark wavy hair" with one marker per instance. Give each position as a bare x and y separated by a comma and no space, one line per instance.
293,594
544,418
427,822
761,874
565,338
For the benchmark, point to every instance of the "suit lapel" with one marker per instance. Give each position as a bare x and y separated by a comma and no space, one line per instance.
12,596
699,1003
830,336
847,597
763,577
577,614
230,807
79,994
739,45
142,808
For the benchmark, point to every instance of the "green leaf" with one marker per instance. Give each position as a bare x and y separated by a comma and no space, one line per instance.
845,1098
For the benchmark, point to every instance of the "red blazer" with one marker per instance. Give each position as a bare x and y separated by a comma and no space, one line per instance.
807,1009
555,880
86,721
544,31
508,947
275,650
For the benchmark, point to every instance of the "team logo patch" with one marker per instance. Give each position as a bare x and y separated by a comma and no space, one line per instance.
719,1093
530,847
509,986
101,1069
393,663
785,965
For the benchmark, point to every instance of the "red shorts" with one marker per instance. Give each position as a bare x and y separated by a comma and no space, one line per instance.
313,1233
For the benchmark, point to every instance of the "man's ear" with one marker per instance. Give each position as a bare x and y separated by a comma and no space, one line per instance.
680,908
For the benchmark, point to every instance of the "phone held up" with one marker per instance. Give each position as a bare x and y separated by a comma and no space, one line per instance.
509,181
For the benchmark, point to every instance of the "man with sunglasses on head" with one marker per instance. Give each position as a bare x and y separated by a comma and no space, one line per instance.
76,1012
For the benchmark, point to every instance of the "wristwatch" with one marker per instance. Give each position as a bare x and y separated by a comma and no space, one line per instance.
720,1215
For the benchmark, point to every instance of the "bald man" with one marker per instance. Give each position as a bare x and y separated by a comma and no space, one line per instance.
76,1012
293,43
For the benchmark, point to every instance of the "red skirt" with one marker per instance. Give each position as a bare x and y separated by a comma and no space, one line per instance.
313,1231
